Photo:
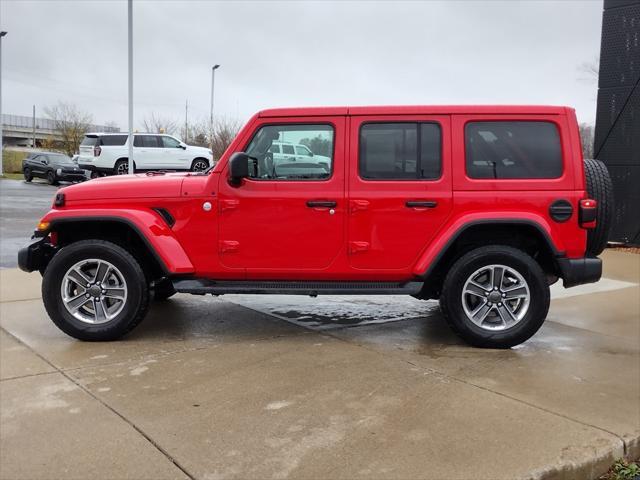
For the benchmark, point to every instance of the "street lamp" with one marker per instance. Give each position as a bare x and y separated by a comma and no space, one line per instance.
2,34
213,78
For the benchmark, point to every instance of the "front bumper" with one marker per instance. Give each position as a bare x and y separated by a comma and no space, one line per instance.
72,176
577,271
35,255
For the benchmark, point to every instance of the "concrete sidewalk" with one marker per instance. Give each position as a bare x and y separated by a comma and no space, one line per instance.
207,388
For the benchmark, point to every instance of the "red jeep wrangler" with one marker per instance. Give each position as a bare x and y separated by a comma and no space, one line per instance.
481,207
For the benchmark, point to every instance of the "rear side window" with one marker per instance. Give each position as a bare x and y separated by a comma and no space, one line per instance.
147,141
113,140
400,151
89,141
515,149
287,149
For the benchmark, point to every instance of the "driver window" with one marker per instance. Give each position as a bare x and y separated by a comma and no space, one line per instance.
302,150
170,142
314,142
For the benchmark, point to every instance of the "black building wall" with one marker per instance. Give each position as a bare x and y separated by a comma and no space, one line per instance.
617,135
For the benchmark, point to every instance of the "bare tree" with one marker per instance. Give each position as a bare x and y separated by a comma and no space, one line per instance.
587,138
590,71
70,123
155,123
224,131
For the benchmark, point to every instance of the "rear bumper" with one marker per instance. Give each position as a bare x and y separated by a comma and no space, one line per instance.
35,255
577,271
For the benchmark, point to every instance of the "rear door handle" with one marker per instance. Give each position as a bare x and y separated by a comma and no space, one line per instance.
421,204
322,203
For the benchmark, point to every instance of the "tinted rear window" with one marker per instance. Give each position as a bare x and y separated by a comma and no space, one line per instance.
89,141
113,140
513,150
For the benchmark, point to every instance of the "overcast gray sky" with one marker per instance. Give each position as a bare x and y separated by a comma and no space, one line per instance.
295,54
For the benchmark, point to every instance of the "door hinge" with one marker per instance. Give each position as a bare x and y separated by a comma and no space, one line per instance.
356,247
229,246
357,205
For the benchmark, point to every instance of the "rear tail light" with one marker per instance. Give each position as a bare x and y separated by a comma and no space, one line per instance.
97,151
588,213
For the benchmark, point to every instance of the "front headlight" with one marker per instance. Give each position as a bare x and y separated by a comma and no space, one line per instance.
210,152
59,171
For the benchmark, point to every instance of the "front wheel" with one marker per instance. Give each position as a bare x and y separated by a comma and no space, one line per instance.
95,290
199,165
495,297
51,178
28,176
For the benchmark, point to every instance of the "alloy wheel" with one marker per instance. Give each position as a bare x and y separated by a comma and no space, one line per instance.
496,297
94,291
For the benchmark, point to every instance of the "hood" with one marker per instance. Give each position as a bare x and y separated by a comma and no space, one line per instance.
126,187
199,149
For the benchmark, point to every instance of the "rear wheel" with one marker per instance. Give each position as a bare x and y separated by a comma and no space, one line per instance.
495,297
28,176
122,167
199,165
599,188
95,290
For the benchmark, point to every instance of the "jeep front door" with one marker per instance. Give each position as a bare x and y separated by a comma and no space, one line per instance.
399,189
287,219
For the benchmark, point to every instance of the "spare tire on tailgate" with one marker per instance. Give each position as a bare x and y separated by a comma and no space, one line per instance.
599,188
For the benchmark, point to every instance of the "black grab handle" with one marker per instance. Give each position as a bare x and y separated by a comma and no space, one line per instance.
421,204
321,203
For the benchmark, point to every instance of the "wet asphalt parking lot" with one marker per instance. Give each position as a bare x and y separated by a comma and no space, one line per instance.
21,206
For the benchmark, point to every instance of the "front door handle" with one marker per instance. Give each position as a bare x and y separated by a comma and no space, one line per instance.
421,204
322,203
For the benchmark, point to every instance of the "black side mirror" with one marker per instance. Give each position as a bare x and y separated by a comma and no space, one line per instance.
238,168
44,161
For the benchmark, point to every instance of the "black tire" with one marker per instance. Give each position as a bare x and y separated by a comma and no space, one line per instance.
51,178
95,175
199,165
451,301
599,188
28,176
121,167
135,306
163,291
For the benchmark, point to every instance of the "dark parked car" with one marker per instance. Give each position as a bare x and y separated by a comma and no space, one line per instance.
53,167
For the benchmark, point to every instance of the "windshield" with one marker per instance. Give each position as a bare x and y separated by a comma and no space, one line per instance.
59,158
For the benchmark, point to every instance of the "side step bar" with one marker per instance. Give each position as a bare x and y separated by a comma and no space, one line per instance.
202,286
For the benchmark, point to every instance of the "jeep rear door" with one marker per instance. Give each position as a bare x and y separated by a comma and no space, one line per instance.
399,188
286,220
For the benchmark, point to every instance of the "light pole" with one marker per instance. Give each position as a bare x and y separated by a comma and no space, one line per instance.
130,22
2,34
213,78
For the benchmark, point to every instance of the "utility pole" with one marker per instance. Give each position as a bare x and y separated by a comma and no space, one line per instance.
186,121
213,78
130,22
33,125
2,34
